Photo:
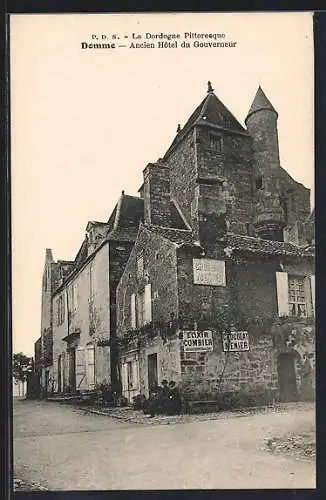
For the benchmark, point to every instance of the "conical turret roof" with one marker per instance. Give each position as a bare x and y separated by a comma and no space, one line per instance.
259,103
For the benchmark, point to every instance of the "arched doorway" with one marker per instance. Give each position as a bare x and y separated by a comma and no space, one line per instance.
286,377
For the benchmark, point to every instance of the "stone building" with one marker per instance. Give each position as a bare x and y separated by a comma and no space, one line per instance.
79,306
218,291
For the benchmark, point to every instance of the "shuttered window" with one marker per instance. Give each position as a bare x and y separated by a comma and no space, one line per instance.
135,374
133,310
148,303
295,295
141,309
130,374
81,382
90,367
282,287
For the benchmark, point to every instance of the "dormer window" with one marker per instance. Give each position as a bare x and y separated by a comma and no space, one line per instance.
215,142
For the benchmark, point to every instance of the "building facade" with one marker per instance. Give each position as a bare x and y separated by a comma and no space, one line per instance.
218,292
79,313
206,278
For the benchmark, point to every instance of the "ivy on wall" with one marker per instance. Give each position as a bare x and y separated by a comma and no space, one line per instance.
222,321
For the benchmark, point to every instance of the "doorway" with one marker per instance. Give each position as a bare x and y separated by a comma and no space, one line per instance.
152,371
59,375
72,369
286,377
46,383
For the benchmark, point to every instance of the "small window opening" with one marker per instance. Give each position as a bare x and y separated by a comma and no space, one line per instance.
259,183
215,143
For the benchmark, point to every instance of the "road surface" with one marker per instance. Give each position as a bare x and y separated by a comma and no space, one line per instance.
62,448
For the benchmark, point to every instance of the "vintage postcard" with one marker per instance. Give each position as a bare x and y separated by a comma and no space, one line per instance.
163,251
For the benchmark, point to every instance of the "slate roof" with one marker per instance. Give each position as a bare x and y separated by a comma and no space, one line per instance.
260,102
210,111
82,253
122,235
178,236
237,242
260,246
131,211
92,223
176,220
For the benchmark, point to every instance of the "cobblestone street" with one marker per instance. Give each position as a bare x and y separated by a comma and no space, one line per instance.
58,447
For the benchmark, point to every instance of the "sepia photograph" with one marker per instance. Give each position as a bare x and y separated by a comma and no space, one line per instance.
163,251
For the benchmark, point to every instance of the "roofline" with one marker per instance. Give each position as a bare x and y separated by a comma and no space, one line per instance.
117,214
165,237
78,269
183,217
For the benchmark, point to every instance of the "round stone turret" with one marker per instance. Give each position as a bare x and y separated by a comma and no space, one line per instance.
261,124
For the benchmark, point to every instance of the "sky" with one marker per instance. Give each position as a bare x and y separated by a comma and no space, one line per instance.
85,123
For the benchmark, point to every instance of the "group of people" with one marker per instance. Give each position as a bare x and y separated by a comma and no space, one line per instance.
164,400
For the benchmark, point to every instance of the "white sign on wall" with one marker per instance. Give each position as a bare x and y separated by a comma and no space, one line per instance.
235,341
209,272
194,341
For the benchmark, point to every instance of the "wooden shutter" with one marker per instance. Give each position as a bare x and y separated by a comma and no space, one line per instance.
282,289
135,374
148,304
63,309
133,310
312,288
90,367
124,376
81,383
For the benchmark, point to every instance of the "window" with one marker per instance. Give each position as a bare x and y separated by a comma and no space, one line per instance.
297,299
215,143
259,183
74,296
141,309
140,267
60,310
130,374
91,288
133,310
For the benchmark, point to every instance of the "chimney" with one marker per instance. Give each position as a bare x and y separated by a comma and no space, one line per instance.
156,194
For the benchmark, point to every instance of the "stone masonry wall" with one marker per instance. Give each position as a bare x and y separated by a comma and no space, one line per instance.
159,259
183,173
295,199
208,374
251,375
198,301
255,283
168,361
233,166
157,195
90,316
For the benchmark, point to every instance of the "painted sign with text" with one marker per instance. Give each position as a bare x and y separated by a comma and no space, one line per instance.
235,341
194,341
209,272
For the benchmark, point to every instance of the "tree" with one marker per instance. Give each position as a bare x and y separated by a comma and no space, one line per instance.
21,366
